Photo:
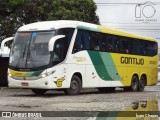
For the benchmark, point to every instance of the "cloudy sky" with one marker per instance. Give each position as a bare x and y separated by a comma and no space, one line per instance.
137,16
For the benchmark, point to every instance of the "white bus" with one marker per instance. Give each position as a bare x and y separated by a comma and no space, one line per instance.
71,55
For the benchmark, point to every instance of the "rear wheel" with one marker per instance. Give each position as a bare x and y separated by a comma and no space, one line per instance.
142,83
39,91
134,84
75,86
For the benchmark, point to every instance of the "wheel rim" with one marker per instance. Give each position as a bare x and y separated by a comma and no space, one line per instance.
141,84
74,85
134,84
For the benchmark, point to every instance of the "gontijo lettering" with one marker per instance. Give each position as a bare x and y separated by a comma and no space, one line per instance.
131,60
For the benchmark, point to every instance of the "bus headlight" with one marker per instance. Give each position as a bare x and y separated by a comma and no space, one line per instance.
46,74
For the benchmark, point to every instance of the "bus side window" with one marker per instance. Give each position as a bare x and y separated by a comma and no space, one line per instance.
82,41
103,43
78,42
117,46
146,48
100,41
125,46
154,48
142,50
113,44
110,44
149,49
86,40
136,46
95,41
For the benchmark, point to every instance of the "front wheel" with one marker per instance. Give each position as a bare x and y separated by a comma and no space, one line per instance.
39,91
75,86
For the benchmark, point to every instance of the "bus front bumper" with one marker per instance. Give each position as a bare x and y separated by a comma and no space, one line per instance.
42,83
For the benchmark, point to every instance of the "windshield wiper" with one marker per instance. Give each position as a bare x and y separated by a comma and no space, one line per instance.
24,51
21,58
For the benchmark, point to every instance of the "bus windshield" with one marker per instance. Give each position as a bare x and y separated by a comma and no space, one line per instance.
30,49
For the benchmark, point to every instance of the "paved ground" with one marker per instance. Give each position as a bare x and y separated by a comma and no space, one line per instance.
88,100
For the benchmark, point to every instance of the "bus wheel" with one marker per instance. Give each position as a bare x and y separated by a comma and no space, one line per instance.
141,83
134,84
39,91
106,89
75,86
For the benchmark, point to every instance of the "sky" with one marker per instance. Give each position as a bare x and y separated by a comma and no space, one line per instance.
141,17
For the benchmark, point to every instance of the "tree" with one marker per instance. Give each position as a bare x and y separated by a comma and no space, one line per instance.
15,13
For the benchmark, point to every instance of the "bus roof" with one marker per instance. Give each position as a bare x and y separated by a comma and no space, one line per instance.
51,25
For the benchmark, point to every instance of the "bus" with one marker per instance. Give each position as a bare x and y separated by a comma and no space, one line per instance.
70,55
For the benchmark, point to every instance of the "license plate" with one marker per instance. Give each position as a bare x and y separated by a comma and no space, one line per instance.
24,84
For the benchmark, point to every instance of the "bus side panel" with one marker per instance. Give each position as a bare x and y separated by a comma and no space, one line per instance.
80,62
74,69
146,71
91,77
105,68
154,72
150,69
151,75
126,73
59,76
127,66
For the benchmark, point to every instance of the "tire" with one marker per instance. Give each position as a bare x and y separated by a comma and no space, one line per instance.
39,91
134,84
75,86
142,84
106,89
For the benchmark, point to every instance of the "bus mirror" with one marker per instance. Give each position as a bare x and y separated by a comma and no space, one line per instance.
52,41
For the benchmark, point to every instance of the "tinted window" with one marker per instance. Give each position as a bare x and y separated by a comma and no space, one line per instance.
68,32
89,40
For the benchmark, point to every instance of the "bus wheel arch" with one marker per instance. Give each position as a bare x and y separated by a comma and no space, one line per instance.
142,82
75,85
79,75
134,83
